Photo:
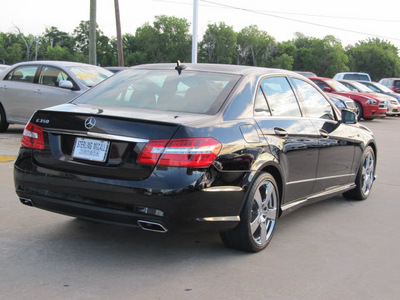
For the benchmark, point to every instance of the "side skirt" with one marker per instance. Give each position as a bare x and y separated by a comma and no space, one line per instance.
292,206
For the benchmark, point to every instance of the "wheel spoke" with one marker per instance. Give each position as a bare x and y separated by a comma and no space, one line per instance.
263,233
255,225
258,198
271,214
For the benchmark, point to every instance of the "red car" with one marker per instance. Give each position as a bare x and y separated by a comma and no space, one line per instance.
369,106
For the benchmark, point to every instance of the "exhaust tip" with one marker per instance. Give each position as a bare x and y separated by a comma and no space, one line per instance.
151,226
26,201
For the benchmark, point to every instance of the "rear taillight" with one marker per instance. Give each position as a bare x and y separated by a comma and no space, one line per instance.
32,137
190,152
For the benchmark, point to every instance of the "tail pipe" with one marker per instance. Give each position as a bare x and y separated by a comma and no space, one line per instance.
152,226
26,201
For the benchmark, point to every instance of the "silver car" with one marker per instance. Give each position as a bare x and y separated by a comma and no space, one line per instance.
2,67
29,86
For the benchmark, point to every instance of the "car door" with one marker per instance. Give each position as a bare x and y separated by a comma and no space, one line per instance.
337,141
292,138
16,91
47,92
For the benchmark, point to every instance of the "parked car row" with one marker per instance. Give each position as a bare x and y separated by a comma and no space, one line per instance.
370,102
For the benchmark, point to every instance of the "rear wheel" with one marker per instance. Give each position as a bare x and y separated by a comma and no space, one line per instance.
365,177
3,120
258,217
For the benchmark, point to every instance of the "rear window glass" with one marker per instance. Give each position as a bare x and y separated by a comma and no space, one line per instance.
356,77
396,83
164,90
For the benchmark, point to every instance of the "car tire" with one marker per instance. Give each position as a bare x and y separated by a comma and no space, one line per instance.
365,177
258,217
3,120
359,110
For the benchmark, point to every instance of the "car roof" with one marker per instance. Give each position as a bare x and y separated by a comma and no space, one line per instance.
51,62
221,68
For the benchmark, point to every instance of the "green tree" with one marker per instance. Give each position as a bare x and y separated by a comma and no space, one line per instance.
325,57
255,47
166,41
218,44
106,51
378,58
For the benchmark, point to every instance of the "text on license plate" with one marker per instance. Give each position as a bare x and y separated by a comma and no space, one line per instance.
90,149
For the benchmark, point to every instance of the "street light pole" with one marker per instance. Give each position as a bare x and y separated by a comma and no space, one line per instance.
92,34
119,35
194,36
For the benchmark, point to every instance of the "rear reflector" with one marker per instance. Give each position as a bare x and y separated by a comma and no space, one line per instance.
190,152
32,137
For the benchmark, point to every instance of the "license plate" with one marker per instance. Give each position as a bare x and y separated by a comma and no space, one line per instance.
90,149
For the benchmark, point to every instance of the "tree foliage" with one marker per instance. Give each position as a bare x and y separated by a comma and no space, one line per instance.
168,39
378,58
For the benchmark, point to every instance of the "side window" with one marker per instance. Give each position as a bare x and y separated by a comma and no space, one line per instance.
52,76
320,84
280,97
22,73
260,106
313,101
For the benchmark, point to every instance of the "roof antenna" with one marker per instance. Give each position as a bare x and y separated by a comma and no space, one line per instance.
180,67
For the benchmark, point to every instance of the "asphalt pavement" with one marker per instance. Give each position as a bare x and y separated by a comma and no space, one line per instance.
335,249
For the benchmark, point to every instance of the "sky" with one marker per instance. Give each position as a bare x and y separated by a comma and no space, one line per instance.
349,21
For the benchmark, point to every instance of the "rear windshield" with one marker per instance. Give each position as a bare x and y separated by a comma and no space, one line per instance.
396,83
163,90
356,77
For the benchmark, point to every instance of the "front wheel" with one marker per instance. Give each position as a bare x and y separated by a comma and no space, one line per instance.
365,177
359,110
3,120
258,217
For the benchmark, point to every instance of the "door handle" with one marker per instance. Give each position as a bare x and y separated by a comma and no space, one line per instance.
38,91
3,87
324,133
280,131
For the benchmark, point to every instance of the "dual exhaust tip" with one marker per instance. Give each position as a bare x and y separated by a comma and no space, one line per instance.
145,225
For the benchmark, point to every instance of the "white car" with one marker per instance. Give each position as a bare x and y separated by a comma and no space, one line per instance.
29,86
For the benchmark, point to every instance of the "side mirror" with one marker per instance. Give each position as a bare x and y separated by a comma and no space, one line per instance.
328,89
66,84
348,117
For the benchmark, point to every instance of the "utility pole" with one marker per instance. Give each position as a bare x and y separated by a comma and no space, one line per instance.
119,36
92,34
194,36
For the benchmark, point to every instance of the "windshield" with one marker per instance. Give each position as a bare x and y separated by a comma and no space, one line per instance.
362,88
90,75
383,88
163,90
338,86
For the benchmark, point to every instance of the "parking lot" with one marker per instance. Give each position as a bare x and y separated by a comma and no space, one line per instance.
335,249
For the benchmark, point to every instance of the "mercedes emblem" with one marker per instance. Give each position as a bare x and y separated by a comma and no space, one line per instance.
90,122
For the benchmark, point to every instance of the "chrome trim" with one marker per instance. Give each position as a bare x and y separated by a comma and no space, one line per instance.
220,219
322,194
152,226
320,178
97,135
223,189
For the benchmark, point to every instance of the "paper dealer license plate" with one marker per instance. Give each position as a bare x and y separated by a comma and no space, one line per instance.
89,149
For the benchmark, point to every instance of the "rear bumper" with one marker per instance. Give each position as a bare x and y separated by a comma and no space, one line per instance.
176,199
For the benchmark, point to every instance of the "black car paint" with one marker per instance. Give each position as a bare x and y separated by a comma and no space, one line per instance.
301,153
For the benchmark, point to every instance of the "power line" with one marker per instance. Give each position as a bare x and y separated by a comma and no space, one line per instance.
273,14
299,21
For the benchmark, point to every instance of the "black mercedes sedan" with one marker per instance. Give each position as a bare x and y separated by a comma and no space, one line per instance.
195,147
